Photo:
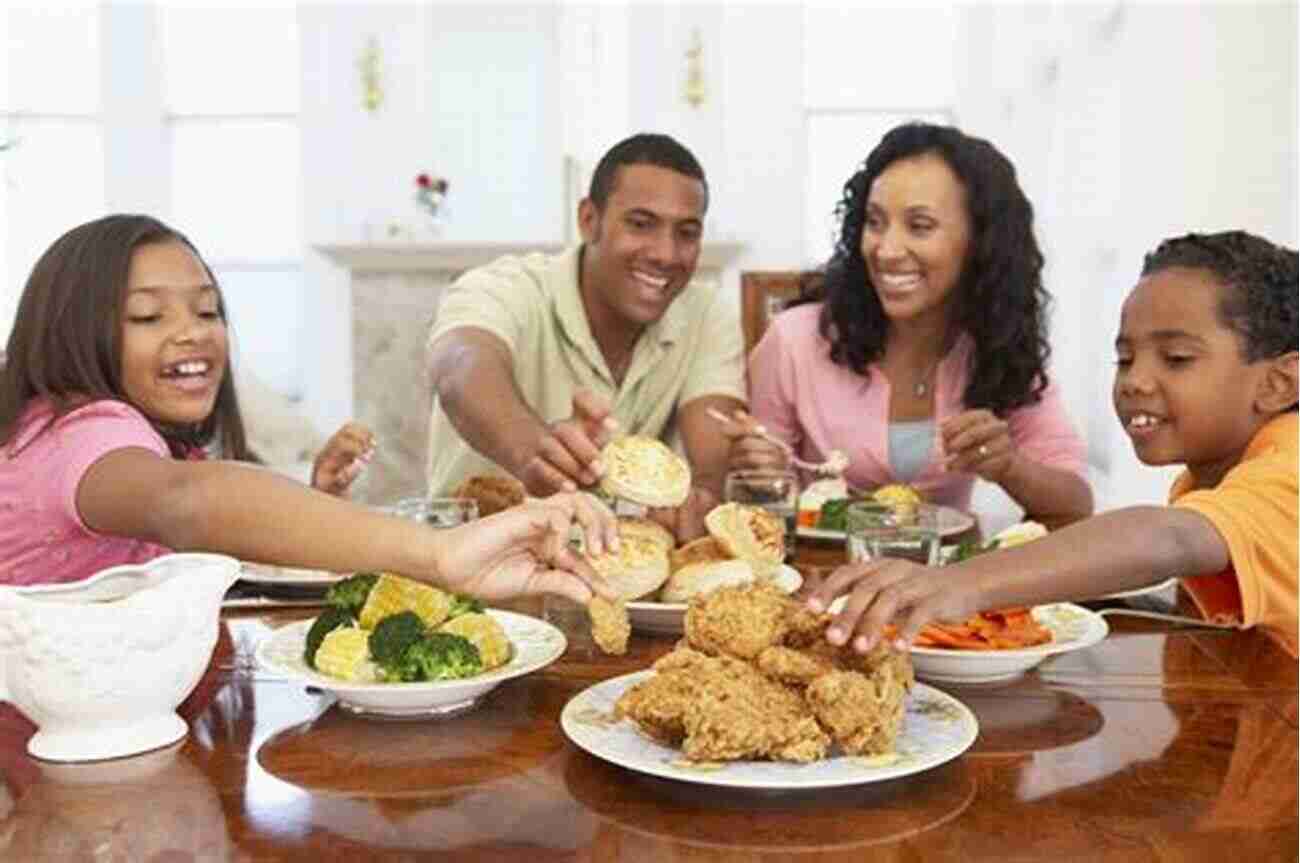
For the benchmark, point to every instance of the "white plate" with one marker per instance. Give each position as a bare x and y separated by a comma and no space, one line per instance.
1141,591
936,728
668,617
951,522
535,644
265,573
1073,628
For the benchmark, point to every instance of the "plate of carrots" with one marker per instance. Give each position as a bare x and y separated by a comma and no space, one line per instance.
1003,643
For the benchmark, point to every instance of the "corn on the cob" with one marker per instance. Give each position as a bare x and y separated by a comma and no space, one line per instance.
392,594
345,653
484,633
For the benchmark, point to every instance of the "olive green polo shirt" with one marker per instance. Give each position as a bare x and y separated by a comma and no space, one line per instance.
531,303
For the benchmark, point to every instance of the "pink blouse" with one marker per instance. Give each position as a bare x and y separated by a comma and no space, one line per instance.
817,406
42,537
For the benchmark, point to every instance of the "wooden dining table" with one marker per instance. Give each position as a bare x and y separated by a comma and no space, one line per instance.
1158,743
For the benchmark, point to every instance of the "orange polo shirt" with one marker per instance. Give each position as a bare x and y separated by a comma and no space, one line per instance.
1254,508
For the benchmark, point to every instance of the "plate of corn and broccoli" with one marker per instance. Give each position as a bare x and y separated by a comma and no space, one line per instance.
394,647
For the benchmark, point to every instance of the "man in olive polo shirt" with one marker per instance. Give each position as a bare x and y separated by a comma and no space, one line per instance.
537,360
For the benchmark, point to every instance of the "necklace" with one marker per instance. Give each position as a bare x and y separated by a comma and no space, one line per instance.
923,385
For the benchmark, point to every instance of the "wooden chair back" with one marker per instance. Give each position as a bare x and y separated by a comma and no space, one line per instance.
764,293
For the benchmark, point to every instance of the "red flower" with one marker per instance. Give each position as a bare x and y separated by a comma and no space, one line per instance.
423,181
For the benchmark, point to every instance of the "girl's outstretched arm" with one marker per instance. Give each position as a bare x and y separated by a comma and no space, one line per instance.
251,513
1118,550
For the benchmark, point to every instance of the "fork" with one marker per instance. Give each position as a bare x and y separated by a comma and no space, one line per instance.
759,431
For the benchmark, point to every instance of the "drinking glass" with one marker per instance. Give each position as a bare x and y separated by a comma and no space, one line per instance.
437,511
901,530
776,491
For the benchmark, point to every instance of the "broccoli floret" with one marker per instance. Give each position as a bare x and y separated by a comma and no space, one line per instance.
463,605
351,592
392,636
439,656
329,620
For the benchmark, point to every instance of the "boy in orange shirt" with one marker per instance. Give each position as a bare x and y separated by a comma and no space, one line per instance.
1206,376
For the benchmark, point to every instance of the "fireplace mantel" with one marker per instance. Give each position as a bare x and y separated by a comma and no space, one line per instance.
445,255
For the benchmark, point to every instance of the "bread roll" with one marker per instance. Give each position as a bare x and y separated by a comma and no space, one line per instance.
702,550
639,568
629,525
696,579
749,533
645,471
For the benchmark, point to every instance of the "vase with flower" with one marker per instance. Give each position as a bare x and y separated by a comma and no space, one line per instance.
431,196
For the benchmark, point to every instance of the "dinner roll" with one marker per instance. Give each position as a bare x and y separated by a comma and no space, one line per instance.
492,492
639,567
750,533
629,525
700,550
696,579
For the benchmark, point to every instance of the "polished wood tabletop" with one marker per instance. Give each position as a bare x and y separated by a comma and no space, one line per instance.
1158,743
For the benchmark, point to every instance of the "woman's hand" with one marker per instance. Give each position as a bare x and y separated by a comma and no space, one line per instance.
892,591
342,458
978,442
525,550
749,449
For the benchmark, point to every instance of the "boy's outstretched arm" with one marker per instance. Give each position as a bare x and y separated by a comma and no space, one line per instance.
1118,550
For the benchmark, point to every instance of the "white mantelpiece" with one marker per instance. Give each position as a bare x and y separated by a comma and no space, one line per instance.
406,257
395,289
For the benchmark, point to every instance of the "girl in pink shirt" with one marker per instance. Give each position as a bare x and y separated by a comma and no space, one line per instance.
926,361
115,380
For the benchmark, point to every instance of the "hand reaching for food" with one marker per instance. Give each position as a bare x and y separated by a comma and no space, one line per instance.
342,459
567,456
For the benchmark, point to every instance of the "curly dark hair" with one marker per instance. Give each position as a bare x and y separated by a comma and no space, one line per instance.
1260,301
999,301
644,148
66,343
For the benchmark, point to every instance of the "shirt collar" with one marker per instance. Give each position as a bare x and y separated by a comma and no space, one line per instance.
572,316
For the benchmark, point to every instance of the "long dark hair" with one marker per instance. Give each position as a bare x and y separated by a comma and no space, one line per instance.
999,300
66,341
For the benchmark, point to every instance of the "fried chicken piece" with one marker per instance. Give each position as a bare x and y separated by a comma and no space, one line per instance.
610,626
737,621
492,492
864,714
788,665
803,627
717,708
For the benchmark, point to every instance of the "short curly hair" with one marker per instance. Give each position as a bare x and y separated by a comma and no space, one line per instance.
1260,301
1000,299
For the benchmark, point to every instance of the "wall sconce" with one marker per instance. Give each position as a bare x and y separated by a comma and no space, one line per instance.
372,93
693,90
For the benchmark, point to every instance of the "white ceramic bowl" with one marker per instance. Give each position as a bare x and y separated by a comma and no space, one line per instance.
100,665
534,644
1073,628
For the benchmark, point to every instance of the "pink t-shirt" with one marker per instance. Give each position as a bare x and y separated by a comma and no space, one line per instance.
42,537
817,406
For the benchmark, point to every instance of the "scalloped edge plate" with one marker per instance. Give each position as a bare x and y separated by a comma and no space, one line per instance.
936,728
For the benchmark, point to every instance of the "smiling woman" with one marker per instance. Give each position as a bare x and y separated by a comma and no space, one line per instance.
931,339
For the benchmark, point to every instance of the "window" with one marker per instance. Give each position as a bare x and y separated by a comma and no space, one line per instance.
234,148
52,172
187,113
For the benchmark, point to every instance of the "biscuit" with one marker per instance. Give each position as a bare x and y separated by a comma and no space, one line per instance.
644,470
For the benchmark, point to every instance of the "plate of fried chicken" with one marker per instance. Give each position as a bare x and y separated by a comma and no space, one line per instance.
755,697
